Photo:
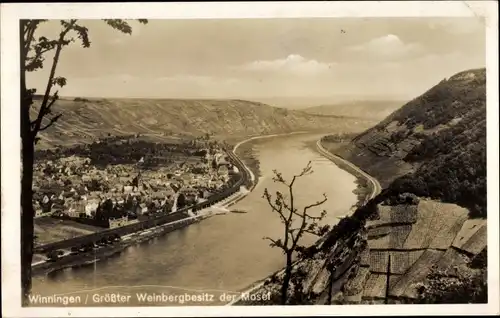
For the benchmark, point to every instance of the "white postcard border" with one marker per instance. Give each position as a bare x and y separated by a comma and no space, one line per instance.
11,168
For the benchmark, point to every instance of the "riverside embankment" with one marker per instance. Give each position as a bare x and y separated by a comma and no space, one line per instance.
214,255
146,230
259,287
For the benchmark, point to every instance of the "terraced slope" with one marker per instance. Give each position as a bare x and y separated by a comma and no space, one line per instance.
84,120
440,236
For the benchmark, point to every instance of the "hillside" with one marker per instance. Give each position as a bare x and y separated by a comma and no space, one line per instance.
434,146
373,109
423,239
85,119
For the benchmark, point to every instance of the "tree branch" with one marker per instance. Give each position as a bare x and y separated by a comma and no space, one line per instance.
52,121
277,243
275,207
306,208
50,82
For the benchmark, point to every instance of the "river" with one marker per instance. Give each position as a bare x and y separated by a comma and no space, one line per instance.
217,256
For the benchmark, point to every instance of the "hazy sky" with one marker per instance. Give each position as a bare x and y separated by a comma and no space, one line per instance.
263,58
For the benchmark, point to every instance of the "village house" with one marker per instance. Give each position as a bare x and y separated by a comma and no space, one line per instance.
143,208
91,206
128,189
75,209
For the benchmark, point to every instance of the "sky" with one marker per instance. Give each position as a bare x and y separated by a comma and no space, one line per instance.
321,58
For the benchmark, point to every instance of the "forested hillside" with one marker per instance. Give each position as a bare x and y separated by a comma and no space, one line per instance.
434,146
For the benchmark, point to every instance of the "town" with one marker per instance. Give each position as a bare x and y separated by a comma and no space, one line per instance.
119,181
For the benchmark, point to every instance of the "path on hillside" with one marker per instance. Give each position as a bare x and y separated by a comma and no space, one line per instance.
376,185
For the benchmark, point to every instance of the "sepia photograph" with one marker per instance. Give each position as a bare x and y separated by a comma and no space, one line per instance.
260,161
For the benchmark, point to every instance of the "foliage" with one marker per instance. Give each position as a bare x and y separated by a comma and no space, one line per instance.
447,100
454,167
402,198
295,223
339,137
445,288
123,150
480,260
450,161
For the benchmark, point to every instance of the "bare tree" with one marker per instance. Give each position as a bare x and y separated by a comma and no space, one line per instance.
296,223
37,118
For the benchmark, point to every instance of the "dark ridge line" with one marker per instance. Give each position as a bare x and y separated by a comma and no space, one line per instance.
377,226
385,273
408,249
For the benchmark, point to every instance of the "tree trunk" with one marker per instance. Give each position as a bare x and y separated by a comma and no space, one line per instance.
286,279
27,212
27,215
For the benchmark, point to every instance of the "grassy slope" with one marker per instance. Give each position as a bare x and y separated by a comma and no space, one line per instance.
85,120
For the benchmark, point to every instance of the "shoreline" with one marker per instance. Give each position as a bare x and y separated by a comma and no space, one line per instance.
79,260
358,173
128,240
364,182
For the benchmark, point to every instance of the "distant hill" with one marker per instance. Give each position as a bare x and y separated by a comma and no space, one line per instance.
85,119
433,146
373,109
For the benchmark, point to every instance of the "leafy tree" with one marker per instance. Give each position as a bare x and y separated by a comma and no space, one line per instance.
296,223
443,287
33,52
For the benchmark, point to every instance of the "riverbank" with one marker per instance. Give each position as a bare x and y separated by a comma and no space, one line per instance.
367,188
75,260
246,152
101,253
81,259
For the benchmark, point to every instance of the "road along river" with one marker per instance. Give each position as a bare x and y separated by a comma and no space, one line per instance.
207,263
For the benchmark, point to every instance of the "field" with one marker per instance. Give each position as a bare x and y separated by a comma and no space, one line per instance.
403,261
378,261
435,225
394,239
477,242
445,236
414,248
452,258
401,214
48,230
467,232
417,273
376,284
